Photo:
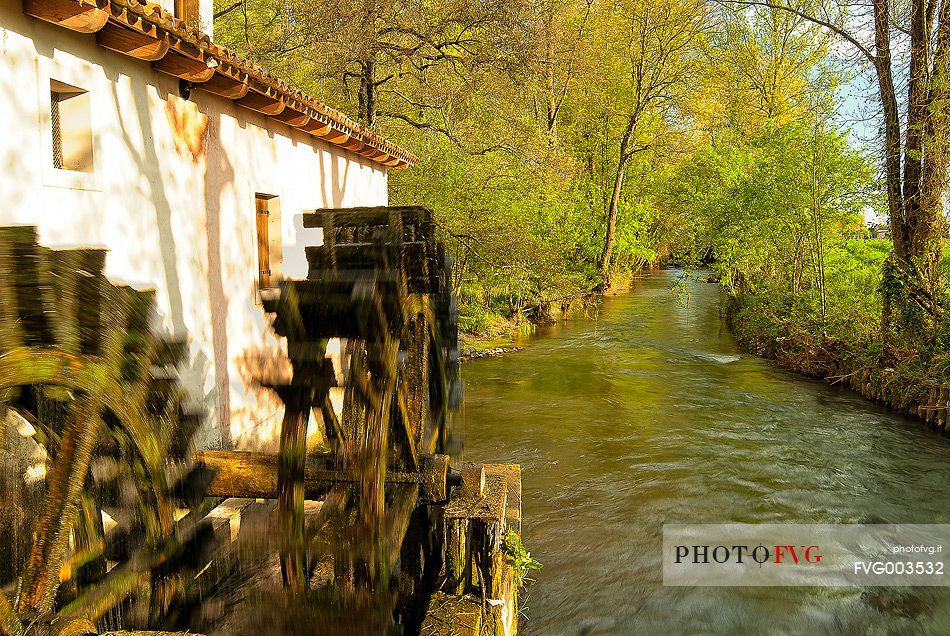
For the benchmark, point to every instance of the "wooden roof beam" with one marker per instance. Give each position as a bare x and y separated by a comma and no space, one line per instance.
373,154
353,144
335,136
225,86
316,127
293,117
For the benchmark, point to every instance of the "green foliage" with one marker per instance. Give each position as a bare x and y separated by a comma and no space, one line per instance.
758,204
518,557
518,110
853,310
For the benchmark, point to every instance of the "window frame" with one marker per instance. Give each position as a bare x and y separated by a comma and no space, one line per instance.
82,75
62,93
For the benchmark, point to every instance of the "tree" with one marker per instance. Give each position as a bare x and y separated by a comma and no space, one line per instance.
758,70
560,37
379,51
915,170
649,58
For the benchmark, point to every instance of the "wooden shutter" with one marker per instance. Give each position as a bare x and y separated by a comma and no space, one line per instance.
263,242
188,11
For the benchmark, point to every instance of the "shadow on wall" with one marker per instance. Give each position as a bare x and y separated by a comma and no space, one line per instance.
337,180
148,168
332,195
258,368
218,174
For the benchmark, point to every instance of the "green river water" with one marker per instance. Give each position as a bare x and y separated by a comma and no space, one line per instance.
651,415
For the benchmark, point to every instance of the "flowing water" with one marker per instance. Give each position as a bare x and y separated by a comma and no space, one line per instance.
651,415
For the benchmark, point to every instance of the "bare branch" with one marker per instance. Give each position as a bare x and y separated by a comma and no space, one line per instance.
813,19
224,12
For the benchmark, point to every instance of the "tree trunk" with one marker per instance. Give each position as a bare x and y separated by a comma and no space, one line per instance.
367,94
817,224
892,126
916,109
367,105
926,231
915,201
619,177
549,84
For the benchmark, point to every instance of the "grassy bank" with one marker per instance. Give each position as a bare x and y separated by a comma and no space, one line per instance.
843,342
492,323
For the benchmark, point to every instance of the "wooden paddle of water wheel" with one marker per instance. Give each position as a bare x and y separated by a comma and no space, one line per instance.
377,532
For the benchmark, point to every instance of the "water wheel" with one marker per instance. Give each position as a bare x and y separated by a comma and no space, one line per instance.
84,378
380,282
88,390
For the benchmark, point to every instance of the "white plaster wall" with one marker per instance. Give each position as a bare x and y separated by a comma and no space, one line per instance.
206,16
172,197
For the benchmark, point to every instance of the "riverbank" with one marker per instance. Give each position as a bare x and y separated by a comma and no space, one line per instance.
894,377
503,335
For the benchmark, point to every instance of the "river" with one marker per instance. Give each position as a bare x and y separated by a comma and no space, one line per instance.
650,415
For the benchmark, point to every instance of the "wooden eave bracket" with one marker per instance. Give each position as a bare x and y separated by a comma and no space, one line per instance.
261,103
225,85
316,127
353,145
374,154
293,117
147,46
77,15
335,136
186,61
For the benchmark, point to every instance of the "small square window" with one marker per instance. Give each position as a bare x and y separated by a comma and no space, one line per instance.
70,127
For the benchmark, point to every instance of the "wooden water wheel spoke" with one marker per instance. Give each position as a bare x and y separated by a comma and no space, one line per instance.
113,589
409,443
336,435
48,553
10,624
88,559
291,459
